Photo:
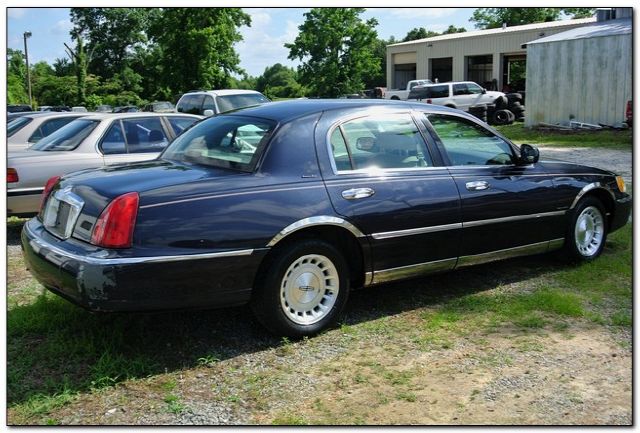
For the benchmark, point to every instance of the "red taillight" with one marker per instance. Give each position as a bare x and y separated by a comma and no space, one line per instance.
114,228
12,175
428,101
47,190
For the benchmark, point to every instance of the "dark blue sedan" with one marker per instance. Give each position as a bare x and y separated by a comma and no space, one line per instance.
289,205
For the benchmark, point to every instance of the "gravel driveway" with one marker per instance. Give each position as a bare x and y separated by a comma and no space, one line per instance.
617,160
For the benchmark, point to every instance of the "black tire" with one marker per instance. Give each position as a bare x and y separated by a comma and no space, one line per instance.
501,102
571,252
267,302
512,117
501,117
515,106
517,110
513,97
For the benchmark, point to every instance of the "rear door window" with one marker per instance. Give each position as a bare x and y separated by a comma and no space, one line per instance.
438,92
460,89
113,141
179,124
144,135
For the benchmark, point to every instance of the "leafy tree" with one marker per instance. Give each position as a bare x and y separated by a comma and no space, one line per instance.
62,67
419,33
336,47
490,18
279,81
453,29
112,33
80,60
377,77
196,46
16,77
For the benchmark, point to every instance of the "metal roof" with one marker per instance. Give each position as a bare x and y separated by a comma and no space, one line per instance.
604,28
498,31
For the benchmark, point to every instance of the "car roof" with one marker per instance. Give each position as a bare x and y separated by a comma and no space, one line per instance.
103,116
283,111
223,92
39,114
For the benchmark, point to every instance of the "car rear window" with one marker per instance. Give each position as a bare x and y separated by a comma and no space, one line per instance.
234,102
68,137
232,142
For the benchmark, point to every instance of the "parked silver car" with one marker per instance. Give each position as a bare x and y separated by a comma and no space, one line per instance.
92,141
26,130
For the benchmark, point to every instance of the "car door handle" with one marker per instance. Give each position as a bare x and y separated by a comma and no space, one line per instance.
478,185
357,193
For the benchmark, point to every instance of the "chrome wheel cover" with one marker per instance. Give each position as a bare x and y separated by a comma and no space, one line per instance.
309,289
589,231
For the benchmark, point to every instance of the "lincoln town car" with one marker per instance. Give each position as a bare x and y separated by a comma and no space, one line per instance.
289,205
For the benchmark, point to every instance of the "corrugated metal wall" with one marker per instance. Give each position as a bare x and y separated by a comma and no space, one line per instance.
587,80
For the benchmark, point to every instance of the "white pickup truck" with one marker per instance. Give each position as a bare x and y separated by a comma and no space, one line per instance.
403,94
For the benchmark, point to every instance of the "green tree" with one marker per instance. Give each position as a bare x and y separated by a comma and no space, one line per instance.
490,18
111,33
196,46
453,29
62,67
419,33
279,81
80,60
336,47
16,78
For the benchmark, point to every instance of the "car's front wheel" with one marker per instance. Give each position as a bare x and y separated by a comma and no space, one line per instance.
303,289
587,232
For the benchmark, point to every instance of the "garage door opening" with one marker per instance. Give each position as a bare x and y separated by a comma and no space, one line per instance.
480,70
514,70
441,69
402,74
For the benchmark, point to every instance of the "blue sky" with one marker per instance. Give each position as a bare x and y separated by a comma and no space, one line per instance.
263,41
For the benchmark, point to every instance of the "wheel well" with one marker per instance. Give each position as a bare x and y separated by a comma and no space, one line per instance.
606,200
395,98
339,237
450,106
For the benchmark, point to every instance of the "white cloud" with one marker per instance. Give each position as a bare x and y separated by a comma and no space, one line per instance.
62,27
422,12
16,12
260,48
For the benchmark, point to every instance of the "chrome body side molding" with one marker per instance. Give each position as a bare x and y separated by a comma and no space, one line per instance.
586,189
322,220
512,218
416,231
392,274
523,250
408,271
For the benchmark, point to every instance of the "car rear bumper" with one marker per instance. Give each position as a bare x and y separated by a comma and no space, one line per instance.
23,202
621,212
99,280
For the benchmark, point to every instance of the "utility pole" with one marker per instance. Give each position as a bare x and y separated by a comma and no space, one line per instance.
26,56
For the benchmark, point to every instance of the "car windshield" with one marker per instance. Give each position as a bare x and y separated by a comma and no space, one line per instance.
233,102
232,142
68,137
17,124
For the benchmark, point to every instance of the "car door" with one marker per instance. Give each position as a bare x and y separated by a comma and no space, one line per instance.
504,205
461,96
133,139
382,176
476,95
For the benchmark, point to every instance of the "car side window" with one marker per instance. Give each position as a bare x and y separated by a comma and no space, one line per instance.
460,89
113,141
191,104
474,89
144,135
385,141
208,104
468,143
438,92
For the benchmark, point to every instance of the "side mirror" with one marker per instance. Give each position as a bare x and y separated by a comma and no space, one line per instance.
484,91
529,154
208,113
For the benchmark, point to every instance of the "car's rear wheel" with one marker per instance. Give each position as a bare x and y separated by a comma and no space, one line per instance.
587,232
303,289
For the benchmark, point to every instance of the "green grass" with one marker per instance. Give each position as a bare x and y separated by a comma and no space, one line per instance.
517,133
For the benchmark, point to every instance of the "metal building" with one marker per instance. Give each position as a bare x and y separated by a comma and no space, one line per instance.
584,74
481,56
